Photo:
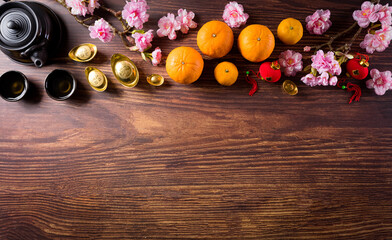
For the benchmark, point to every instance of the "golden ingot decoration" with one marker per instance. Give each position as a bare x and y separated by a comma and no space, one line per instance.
124,70
83,53
364,63
96,79
289,87
155,80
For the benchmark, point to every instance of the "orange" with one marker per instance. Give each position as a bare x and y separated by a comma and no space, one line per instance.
184,65
226,73
290,31
215,39
256,43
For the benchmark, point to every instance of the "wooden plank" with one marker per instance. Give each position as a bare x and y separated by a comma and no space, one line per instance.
201,161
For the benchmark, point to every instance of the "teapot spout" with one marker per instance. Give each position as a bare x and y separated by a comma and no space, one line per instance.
39,57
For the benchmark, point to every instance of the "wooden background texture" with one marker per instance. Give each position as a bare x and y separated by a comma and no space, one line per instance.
201,161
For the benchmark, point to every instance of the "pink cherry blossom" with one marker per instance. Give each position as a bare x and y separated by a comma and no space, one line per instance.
77,7
333,81
335,66
381,81
168,26
327,66
310,80
323,79
143,40
319,22
307,48
291,62
234,15
326,63
101,30
185,19
156,56
378,41
319,62
135,13
385,16
368,14
92,5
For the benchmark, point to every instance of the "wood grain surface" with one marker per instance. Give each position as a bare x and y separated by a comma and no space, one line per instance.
201,161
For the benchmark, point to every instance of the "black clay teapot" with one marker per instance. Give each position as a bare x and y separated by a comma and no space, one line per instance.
30,32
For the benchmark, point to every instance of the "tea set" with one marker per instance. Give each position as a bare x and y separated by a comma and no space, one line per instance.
31,34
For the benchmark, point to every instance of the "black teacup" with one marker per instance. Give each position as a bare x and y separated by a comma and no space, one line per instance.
13,86
60,84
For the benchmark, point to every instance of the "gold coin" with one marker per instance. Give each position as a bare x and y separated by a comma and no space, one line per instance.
95,78
83,52
124,69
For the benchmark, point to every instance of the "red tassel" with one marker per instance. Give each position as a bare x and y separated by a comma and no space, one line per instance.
251,81
340,82
351,88
360,55
357,92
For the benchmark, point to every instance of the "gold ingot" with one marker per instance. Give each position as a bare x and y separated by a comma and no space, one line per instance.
124,70
96,79
364,63
83,53
289,87
155,80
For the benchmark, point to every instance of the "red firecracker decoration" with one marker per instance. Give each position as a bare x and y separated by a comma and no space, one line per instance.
270,71
252,81
357,67
351,88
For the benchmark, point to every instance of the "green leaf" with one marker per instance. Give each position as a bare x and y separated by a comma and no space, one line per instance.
341,60
148,55
134,48
314,72
307,68
137,31
349,56
144,56
338,53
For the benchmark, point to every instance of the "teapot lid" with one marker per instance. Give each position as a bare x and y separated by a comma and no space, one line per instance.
17,25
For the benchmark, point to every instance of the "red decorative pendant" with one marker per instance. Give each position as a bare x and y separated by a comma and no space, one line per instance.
270,71
357,67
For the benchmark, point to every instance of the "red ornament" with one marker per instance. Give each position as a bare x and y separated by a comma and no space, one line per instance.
357,67
270,71
351,88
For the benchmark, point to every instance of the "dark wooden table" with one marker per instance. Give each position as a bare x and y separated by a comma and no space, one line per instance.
201,161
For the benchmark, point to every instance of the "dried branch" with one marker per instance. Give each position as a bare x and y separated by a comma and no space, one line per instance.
346,47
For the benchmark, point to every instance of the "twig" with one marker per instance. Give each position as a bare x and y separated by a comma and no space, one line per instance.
333,38
347,47
116,15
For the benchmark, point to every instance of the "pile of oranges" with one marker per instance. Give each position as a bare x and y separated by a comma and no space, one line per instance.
215,39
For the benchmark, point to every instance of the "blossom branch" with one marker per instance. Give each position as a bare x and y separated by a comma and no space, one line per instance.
122,34
333,38
346,47
118,16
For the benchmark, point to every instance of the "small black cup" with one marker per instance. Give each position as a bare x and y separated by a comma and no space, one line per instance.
60,84
13,86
